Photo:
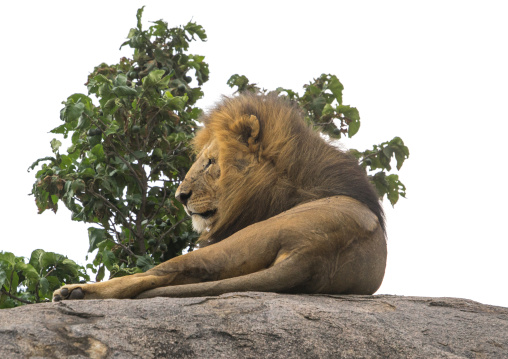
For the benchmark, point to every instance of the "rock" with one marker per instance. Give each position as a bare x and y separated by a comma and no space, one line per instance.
257,325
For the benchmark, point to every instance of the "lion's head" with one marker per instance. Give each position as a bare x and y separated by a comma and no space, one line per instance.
256,158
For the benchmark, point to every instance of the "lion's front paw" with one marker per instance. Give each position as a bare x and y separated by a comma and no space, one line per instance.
68,292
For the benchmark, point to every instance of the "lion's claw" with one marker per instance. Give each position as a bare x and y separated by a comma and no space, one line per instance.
64,292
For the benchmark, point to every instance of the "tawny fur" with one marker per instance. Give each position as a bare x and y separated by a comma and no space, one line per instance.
289,165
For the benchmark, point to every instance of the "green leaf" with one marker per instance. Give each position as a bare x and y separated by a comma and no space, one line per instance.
144,262
87,173
139,14
103,80
120,80
3,277
28,271
353,128
352,118
15,280
80,98
192,28
318,104
350,113
134,198
176,103
400,159
73,111
113,128
155,79
44,285
69,267
393,197
123,91
132,33
49,259
8,258
239,81
83,123
62,129
55,145
100,274
336,87
65,161
155,76
328,109
32,166
108,258
313,90
95,236
54,282
35,259
78,185
388,151
109,185
98,151
139,154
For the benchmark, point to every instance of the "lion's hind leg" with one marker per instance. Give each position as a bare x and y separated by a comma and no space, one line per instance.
290,275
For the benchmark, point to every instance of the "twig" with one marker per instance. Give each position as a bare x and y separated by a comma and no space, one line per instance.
128,164
119,240
3,291
160,206
110,205
124,247
173,227
373,154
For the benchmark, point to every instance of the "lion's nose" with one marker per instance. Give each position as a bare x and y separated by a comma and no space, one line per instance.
183,197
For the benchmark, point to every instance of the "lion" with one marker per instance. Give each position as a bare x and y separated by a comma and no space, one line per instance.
279,209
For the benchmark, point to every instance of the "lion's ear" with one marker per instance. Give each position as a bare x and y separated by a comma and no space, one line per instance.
247,128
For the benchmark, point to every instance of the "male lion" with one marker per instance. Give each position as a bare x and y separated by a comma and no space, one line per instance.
278,209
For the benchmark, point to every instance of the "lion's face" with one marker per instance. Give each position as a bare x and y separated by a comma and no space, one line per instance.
199,190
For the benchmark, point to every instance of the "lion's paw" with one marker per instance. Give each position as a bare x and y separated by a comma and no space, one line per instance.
68,293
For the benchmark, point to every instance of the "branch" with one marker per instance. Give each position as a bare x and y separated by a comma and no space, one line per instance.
373,154
160,206
119,240
110,205
128,164
3,291
173,227
161,237
124,247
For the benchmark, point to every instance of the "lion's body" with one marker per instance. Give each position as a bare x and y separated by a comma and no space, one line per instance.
278,208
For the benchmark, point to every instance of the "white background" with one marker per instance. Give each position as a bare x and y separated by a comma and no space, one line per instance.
432,72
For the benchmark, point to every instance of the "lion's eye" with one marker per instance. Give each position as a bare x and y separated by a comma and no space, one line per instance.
211,161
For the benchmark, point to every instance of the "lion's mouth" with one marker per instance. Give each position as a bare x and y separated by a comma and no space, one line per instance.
206,214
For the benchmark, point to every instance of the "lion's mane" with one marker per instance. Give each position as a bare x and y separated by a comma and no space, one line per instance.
287,164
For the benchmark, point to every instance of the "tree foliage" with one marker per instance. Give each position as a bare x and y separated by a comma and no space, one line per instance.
35,281
129,150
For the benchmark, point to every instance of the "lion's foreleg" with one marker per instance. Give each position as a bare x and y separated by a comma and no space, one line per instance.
229,258
285,276
120,288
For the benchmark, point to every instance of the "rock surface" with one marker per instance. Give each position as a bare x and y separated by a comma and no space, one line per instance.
257,325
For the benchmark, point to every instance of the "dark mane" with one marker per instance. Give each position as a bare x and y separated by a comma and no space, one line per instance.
294,165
